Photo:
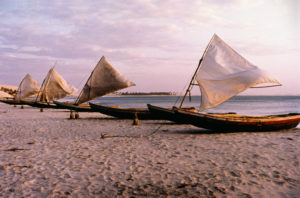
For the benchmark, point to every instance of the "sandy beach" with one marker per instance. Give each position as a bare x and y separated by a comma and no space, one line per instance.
45,154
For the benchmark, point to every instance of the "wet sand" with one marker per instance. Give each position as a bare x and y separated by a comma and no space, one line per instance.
45,154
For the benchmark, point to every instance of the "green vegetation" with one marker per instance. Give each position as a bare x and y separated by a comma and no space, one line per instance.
9,91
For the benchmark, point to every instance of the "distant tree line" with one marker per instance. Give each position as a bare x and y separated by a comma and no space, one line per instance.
146,93
9,91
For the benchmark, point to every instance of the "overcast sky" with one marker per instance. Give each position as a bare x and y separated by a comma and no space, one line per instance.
155,43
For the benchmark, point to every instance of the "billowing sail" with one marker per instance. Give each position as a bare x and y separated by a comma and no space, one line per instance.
223,73
103,80
55,87
27,87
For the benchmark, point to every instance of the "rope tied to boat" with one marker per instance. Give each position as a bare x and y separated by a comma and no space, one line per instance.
103,135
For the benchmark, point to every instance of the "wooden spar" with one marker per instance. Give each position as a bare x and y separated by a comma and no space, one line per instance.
19,89
191,83
267,86
76,101
79,95
50,76
193,78
40,89
44,83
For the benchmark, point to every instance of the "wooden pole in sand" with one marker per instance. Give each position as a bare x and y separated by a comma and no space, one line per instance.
135,120
71,115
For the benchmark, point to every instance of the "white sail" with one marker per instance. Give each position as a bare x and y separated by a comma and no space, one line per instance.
223,73
103,80
27,87
55,87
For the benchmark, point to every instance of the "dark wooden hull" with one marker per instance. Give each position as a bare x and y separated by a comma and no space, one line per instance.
11,102
228,122
41,105
74,107
129,113
124,113
163,113
234,123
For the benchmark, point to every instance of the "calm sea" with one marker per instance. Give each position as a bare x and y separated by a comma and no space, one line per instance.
250,105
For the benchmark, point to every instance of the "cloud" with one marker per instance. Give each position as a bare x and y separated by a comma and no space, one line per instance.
144,39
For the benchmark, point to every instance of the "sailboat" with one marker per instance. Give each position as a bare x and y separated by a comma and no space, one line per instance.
221,74
104,79
53,87
28,87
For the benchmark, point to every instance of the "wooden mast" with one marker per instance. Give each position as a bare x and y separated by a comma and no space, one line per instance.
76,101
44,82
19,89
191,83
40,89
193,78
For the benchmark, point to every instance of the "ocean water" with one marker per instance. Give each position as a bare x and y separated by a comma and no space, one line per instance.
247,105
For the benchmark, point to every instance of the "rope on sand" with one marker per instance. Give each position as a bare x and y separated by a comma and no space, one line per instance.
103,135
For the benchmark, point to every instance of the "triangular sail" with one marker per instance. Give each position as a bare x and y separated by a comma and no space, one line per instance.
104,79
223,73
27,87
55,87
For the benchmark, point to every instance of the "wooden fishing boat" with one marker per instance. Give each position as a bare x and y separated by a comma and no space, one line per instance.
17,102
40,105
227,122
53,87
235,123
10,101
28,87
163,113
124,113
221,74
74,107
131,113
104,79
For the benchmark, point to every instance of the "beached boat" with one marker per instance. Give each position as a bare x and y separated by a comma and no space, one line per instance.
234,122
10,101
28,87
131,113
40,104
164,113
74,107
53,87
104,79
124,113
221,74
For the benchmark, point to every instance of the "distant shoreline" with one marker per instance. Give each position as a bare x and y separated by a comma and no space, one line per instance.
145,93
180,95
12,90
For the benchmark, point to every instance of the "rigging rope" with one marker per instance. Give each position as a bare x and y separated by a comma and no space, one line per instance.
103,135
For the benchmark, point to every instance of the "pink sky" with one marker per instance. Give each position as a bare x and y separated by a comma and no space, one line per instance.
156,44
